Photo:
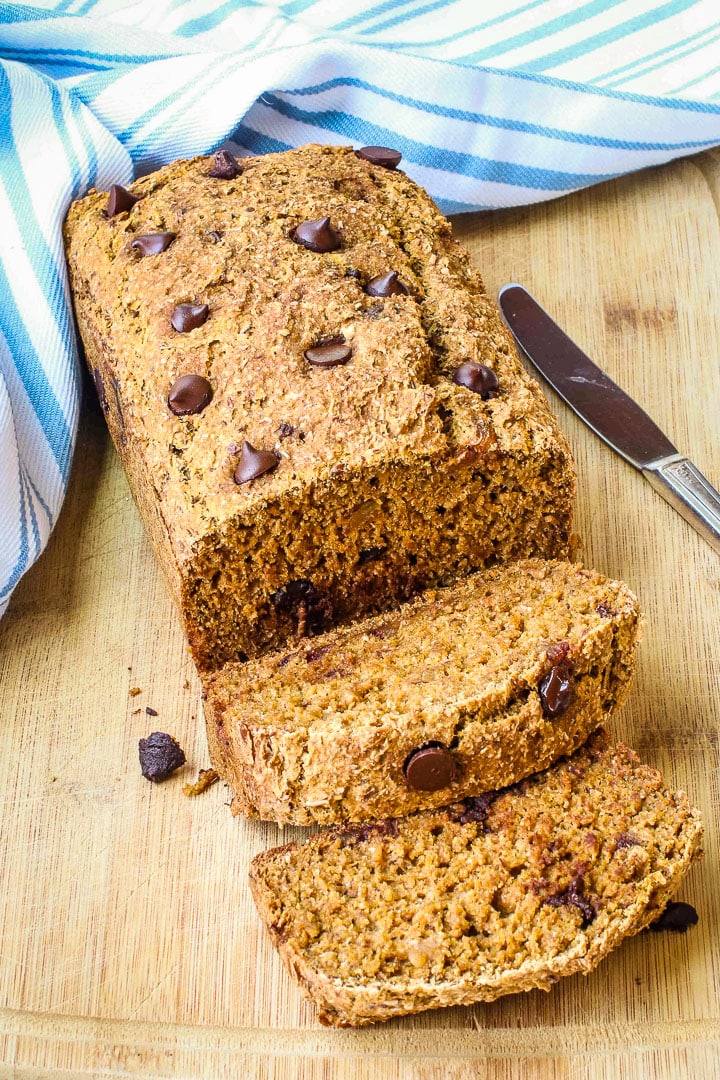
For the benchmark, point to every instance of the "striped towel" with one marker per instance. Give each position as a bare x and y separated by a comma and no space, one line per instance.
491,105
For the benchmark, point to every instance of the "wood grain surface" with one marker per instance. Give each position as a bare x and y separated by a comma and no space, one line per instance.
130,945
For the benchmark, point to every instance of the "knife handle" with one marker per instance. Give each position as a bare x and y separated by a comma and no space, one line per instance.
686,489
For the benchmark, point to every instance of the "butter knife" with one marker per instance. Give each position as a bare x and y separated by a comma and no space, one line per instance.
611,413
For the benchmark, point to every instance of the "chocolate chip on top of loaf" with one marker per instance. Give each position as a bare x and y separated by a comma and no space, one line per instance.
318,291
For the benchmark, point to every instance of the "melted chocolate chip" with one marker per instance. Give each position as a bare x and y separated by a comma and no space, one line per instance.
574,896
254,463
119,200
430,767
317,235
302,596
371,554
189,394
677,917
225,166
329,353
100,388
478,378
556,689
153,243
187,317
380,155
389,827
625,840
477,808
160,756
386,285
316,654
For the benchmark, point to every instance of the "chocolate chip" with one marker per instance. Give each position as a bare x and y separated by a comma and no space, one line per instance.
604,612
350,272
574,896
329,353
371,554
187,317
160,756
317,235
119,200
189,394
556,689
285,430
226,167
477,808
301,595
389,827
380,155
430,767
150,712
478,378
386,285
626,840
100,388
215,236
312,655
153,243
254,463
677,917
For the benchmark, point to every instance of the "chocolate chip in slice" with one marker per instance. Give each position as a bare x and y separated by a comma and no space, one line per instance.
225,166
430,767
556,689
254,463
119,200
153,243
160,756
317,235
189,394
380,155
329,353
677,917
386,285
187,317
478,378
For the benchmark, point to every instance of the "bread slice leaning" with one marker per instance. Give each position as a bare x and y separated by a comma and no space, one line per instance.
486,897
440,699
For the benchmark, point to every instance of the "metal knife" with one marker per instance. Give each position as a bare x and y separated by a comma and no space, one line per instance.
611,413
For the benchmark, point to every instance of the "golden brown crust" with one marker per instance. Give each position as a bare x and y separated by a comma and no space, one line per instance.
390,476
465,904
322,733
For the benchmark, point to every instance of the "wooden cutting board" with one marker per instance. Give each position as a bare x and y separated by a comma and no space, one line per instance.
130,945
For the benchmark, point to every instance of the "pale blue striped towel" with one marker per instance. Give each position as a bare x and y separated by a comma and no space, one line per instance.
491,105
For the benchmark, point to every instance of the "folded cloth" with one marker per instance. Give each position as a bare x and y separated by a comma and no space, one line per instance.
522,101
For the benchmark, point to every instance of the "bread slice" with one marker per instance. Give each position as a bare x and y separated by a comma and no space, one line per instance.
486,897
438,700
289,483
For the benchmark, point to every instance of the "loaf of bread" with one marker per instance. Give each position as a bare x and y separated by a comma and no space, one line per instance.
486,897
460,691
319,409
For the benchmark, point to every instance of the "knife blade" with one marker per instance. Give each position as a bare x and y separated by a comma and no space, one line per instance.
611,413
